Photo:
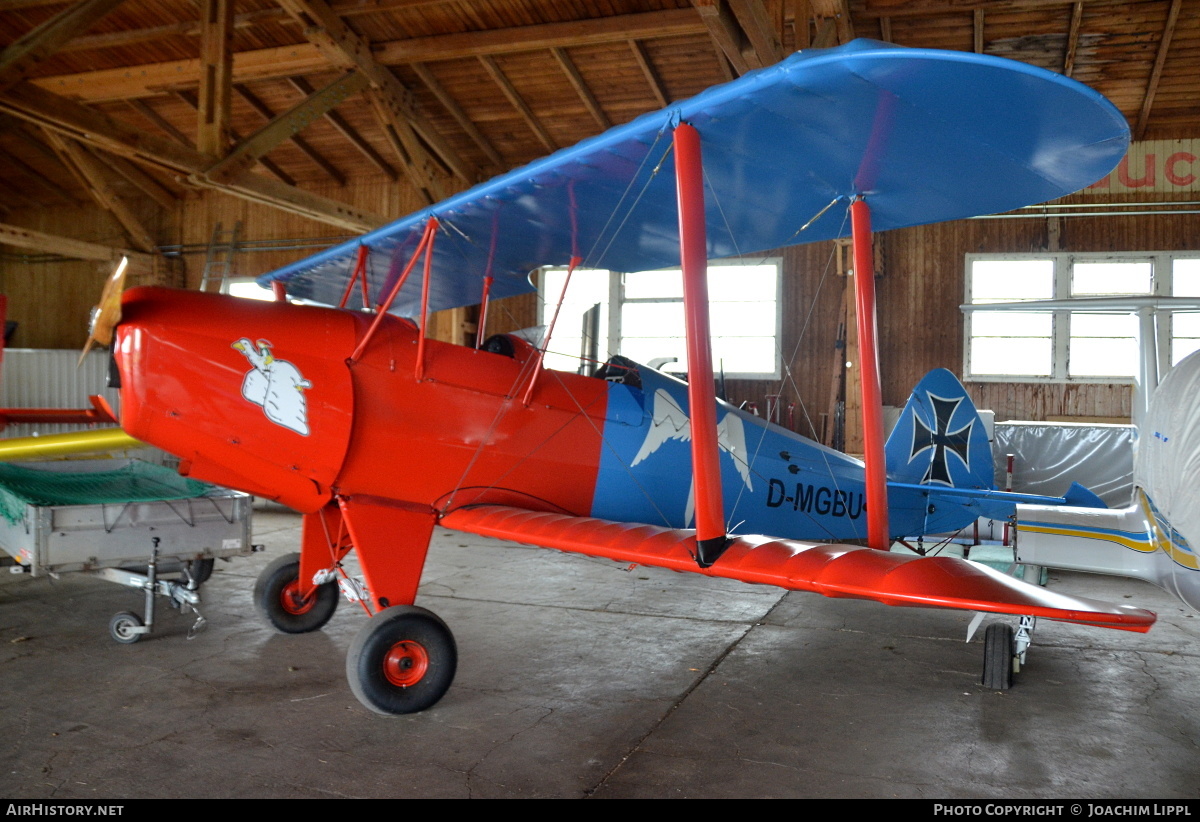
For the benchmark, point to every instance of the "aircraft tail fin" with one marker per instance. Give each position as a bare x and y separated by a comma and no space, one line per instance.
940,438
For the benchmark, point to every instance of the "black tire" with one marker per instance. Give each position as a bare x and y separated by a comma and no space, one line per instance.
274,595
201,570
402,661
122,627
998,656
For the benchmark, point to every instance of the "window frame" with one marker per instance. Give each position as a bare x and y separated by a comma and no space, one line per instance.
1161,281
616,299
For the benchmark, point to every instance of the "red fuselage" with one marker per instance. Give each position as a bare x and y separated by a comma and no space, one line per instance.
260,396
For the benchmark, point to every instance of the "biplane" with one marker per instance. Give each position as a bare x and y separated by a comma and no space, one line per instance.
377,432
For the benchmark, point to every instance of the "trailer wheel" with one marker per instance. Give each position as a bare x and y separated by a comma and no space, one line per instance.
277,595
402,661
201,570
998,656
123,627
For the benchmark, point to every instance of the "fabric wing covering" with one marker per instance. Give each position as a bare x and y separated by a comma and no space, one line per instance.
924,135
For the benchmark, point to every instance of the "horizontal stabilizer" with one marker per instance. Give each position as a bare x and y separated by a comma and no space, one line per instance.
832,570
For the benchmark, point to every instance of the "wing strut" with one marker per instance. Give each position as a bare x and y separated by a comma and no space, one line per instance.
711,538
868,375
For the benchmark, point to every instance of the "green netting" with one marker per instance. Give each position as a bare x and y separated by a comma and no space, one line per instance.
134,482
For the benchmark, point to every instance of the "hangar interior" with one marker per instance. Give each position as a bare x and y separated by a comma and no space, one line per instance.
211,141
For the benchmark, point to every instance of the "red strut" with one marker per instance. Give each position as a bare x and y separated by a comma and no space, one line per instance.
711,538
872,395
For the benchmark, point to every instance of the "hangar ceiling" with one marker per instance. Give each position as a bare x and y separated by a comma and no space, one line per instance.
283,101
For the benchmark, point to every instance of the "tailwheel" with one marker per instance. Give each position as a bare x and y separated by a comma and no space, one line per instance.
402,661
277,595
998,656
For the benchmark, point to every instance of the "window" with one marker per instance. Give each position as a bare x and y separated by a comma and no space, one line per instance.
1073,345
248,289
647,323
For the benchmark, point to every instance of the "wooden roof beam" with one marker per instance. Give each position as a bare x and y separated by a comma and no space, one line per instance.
144,182
37,177
143,108
415,161
95,128
977,30
18,237
761,34
652,78
342,46
581,88
92,175
346,130
268,114
724,30
19,58
216,77
518,102
1160,59
286,126
1072,39
283,177
460,116
282,62
837,11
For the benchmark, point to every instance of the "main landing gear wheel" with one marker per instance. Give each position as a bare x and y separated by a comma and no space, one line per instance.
123,627
998,656
402,661
277,595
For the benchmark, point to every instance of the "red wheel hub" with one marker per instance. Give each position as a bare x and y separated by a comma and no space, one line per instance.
293,602
405,663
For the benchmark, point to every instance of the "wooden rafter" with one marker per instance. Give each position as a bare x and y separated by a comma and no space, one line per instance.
760,32
460,116
93,176
1160,59
518,102
283,177
17,59
342,46
18,237
268,114
285,126
725,32
977,30
144,182
37,178
837,12
285,61
78,121
143,108
1072,39
426,177
346,130
581,88
216,77
648,71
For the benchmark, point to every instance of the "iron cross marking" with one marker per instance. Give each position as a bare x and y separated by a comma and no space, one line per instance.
940,438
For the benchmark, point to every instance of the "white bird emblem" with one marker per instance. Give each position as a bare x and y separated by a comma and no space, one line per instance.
275,385
670,422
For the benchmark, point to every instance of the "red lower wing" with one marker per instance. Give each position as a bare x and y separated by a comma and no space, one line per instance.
832,570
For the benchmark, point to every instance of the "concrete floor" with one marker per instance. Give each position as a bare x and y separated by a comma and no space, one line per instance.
579,678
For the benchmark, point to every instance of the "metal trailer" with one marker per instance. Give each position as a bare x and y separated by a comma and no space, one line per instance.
164,548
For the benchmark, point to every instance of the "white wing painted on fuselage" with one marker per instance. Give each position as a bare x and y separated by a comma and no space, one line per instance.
670,422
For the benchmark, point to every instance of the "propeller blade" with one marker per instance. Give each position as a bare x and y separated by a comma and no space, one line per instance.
107,313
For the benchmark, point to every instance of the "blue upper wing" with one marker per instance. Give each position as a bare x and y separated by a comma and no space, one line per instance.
924,135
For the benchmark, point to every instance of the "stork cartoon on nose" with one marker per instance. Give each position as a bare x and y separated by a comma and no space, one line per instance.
276,385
